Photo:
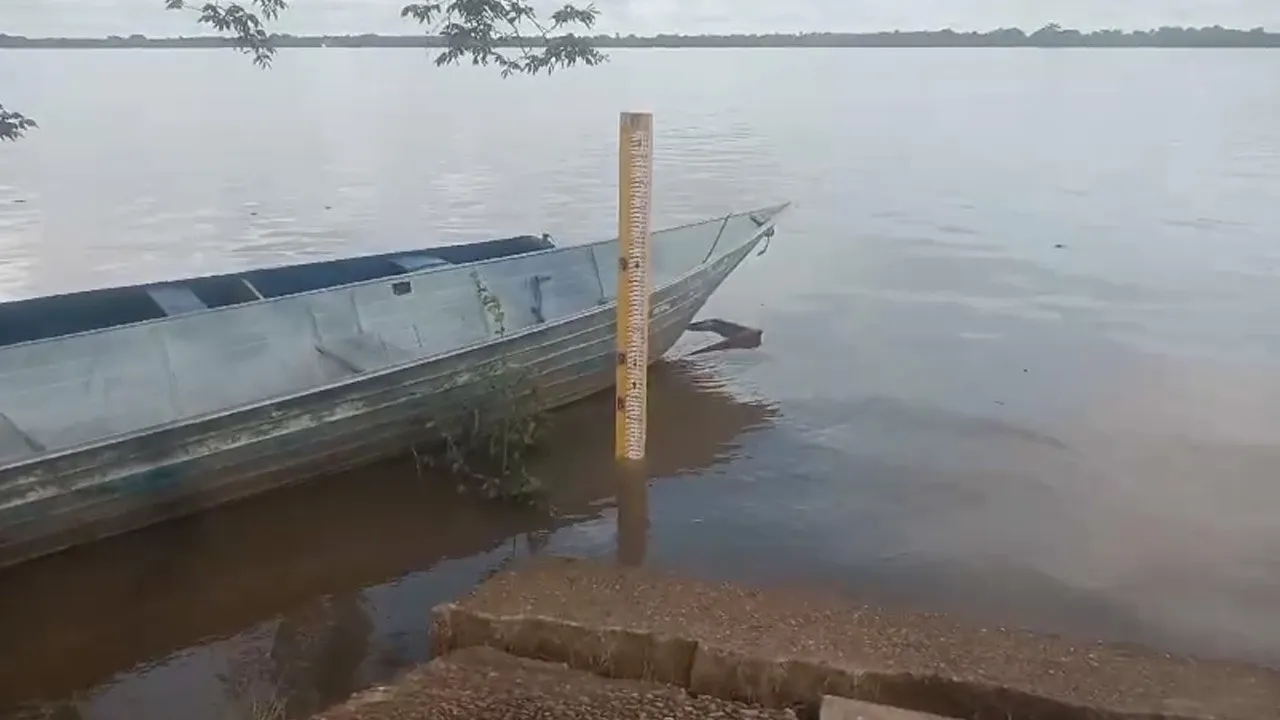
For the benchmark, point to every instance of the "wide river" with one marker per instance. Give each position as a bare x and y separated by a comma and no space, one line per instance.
1021,358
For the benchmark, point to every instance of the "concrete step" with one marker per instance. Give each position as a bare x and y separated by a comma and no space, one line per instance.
838,708
485,684
787,647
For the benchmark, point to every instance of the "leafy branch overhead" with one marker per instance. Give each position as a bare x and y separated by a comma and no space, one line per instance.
246,25
508,33
505,33
14,125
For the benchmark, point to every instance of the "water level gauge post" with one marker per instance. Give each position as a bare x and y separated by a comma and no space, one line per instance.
635,188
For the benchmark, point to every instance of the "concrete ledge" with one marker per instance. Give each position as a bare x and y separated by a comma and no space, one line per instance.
787,649
838,708
612,652
483,684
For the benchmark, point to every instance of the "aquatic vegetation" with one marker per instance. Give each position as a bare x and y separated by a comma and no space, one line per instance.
487,446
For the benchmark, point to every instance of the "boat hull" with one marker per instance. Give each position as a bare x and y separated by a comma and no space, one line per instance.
108,489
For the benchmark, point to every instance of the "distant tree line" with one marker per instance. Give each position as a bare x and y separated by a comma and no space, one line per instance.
1051,35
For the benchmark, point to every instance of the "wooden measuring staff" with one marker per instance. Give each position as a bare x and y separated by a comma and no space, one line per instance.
631,401
635,180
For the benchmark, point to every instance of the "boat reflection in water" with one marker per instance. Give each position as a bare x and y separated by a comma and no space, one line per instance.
324,587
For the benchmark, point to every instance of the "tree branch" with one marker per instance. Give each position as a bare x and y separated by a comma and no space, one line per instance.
486,31
13,125
246,28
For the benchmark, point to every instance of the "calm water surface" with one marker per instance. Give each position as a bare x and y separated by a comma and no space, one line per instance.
1021,360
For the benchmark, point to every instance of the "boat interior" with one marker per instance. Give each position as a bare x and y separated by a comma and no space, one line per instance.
67,314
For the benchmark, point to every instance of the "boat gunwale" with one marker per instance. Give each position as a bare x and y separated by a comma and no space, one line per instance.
391,369
777,208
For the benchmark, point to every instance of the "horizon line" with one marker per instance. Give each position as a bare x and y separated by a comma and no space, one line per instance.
673,34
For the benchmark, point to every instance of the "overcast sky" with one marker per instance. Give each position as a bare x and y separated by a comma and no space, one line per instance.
122,17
